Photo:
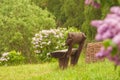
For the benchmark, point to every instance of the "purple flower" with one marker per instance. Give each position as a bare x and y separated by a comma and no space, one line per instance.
104,52
111,21
107,35
116,39
98,37
87,2
102,28
112,16
109,28
115,59
95,4
115,10
96,23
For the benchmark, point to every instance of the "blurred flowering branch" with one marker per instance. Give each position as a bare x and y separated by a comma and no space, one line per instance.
108,31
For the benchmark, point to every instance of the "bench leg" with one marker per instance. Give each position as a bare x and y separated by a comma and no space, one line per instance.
63,62
76,55
74,58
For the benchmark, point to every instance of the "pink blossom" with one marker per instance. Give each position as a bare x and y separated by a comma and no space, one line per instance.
87,2
98,37
95,4
116,39
104,52
92,3
96,23
109,28
115,10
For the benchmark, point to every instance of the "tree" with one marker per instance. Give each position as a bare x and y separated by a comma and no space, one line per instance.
73,11
19,21
67,12
90,14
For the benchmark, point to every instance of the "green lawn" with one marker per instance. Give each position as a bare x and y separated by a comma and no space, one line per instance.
50,71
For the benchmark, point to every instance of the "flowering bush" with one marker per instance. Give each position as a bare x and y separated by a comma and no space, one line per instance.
11,58
4,58
108,31
49,40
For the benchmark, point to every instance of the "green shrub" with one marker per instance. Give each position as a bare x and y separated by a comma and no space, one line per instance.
19,20
11,58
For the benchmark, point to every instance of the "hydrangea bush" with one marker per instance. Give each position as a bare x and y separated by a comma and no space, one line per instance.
4,58
46,41
11,58
108,31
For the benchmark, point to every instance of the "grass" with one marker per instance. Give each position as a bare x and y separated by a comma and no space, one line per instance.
50,71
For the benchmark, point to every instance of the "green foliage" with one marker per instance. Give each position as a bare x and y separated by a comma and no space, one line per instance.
11,58
74,12
15,58
67,12
90,14
54,6
107,43
19,20
105,6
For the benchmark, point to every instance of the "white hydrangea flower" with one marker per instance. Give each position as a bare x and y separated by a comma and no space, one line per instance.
5,54
36,35
44,43
33,38
36,46
3,59
37,51
48,42
57,47
61,35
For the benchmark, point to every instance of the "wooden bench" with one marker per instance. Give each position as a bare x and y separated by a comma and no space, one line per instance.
64,55
62,58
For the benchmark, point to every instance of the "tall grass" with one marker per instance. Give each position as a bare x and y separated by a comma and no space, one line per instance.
50,71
